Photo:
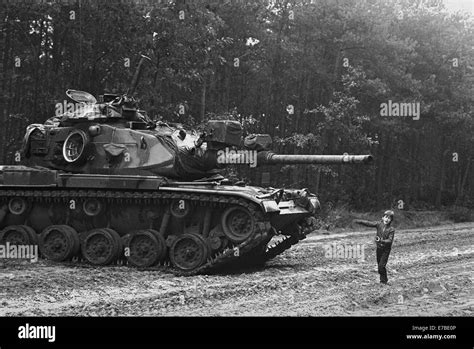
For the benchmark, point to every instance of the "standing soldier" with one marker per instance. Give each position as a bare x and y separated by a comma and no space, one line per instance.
383,240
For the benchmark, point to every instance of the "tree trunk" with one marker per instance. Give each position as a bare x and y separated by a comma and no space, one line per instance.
380,166
318,180
203,98
5,96
441,179
463,184
227,88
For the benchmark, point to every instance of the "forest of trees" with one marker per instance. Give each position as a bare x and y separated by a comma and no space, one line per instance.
312,74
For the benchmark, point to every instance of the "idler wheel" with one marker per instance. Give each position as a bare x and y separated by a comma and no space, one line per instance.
17,206
189,251
238,224
146,248
101,246
59,242
18,235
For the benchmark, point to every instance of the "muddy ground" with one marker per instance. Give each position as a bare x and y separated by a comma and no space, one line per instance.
430,270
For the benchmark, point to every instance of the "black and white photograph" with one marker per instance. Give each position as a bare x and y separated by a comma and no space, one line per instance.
247,159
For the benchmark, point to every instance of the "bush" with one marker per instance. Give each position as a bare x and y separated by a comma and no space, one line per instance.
460,214
339,218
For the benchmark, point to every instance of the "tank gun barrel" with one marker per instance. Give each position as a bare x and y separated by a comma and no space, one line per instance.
270,158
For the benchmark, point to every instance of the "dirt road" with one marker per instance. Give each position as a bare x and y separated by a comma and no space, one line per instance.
431,273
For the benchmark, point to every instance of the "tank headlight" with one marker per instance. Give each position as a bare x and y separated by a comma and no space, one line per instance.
94,130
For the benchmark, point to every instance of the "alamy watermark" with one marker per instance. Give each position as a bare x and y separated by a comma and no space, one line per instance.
30,252
71,108
344,251
37,332
241,156
400,109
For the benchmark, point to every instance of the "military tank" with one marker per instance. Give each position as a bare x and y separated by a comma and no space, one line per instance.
103,183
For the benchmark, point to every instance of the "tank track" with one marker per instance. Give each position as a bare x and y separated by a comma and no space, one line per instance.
227,257
233,254
270,252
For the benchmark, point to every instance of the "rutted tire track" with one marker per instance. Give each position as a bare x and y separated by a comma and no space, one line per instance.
430,271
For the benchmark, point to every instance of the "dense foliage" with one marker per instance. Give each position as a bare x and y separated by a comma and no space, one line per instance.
335,62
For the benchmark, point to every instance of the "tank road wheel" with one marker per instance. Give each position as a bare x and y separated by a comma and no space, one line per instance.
118,242
237,224
17,206
101,246
189,251
32,234
59,243
18,235
146,248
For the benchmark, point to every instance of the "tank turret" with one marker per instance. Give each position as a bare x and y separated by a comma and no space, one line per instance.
117,138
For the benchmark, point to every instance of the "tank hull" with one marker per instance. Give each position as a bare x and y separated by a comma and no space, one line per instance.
193,227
